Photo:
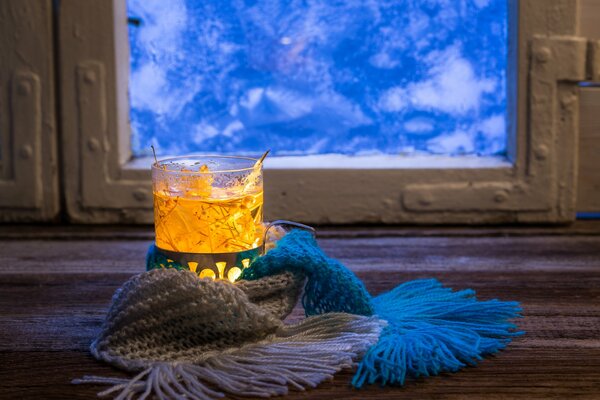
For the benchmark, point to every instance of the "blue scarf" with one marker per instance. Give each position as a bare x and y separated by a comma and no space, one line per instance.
431,329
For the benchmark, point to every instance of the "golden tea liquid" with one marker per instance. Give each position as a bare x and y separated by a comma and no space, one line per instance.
199,208
208,225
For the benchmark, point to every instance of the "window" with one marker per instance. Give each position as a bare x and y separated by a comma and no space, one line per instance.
354,77
533,181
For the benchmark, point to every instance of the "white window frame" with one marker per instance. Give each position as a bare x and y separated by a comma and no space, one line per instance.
538,184
29,184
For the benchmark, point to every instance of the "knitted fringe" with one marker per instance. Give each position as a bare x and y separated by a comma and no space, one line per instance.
301,356
432,329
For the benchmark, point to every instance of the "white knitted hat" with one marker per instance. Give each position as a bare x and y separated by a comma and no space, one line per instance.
192,338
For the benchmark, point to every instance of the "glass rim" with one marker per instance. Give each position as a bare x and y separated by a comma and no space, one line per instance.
157,164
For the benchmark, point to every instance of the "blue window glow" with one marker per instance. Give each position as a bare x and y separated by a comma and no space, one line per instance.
318,76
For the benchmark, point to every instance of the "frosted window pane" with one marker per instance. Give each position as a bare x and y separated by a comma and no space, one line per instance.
315,77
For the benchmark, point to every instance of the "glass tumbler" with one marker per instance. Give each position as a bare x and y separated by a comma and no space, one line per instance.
208,210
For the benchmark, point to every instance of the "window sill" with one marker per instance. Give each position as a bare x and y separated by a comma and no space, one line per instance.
340,161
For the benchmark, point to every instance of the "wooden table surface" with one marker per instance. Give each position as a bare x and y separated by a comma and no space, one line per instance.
56,284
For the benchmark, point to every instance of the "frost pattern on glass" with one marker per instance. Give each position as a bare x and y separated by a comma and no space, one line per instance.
319,76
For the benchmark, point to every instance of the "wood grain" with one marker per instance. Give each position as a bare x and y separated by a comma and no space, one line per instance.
54,294
146,232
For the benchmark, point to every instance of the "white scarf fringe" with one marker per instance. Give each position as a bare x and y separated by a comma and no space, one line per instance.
299,356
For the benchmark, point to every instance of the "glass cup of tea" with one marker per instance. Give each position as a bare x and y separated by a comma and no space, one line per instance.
208,205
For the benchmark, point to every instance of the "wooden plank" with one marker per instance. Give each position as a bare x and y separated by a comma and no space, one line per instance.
74,305
458,254
516,373
54,295
146,232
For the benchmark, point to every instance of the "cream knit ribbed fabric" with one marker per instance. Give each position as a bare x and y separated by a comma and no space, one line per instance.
192,338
